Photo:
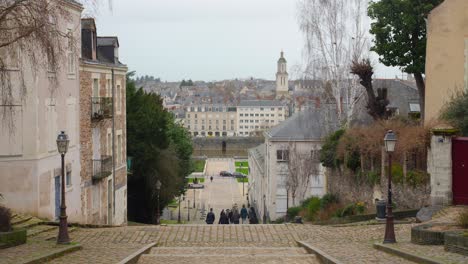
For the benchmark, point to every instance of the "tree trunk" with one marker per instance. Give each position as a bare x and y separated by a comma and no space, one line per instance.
422,93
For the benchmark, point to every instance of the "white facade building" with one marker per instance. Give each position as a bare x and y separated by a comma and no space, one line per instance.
256,116
290,148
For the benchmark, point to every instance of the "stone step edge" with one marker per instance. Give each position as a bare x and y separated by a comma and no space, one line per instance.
230,255
35,233
404,254
20,220
217,248
321,255
53,254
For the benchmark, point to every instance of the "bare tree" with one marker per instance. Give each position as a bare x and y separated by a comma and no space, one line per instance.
302,167
336,34
32,38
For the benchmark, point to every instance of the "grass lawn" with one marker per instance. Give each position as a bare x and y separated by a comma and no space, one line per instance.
243,179
199,165
200,180
242,164
243,170
170,222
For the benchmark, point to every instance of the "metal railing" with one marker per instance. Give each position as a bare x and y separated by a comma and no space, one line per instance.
101,107
102,167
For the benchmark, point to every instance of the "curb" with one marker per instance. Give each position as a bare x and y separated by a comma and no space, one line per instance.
52,255
322,256
404,254
133,258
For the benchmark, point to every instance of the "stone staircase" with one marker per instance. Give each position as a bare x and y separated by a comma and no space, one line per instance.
228,255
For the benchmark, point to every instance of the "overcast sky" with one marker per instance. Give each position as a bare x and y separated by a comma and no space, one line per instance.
205,39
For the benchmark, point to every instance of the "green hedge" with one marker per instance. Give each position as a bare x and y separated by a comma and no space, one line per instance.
243,170
242,164
199,165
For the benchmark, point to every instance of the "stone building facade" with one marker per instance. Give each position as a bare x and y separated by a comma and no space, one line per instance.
211,120
256,116
102,129
30,166
291,148
446,56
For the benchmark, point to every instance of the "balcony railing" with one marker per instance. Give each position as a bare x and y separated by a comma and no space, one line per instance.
102,167
101,107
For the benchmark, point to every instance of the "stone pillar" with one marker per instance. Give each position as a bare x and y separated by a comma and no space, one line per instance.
439,166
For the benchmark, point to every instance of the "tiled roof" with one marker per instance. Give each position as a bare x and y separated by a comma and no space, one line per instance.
258,153
260,103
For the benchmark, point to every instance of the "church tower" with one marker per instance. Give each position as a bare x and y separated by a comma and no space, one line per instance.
282,86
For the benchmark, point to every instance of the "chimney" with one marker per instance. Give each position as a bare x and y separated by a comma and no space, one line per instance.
88,39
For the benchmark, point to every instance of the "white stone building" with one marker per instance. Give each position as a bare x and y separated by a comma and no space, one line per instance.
291,148
30,166
211,120
256,116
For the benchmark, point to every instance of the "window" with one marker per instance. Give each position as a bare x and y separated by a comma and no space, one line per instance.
272,115
241,114
224,121
242,121
224,127
188,127
70,53
109,144
196,115
109,88
119,149
251,121
261,114
272,109
282,155
119,99
188,115
241,127
272,121
95,87
209,127
261,109
267,114
203,127
280,115
256,121
68,179
217,121
251,114
232,122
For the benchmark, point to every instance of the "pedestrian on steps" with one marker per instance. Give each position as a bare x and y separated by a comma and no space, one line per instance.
210,217
243,214
211,178
223,220
229,215
235,216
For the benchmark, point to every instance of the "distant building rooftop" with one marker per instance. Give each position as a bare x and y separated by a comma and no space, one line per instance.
257,103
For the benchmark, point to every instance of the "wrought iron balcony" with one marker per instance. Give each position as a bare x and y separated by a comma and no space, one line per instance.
102,167
101,107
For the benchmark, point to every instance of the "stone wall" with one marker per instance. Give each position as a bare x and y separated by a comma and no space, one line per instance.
235,146
351,189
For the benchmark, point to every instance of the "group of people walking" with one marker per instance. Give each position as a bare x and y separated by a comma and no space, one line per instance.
233,216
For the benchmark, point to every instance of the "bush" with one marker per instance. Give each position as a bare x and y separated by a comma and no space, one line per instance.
5,219
417,177
373,177
329,212
462,219
360,207
353,161
327,200
294,211
328,153
397,173
456,112
350,209
312,208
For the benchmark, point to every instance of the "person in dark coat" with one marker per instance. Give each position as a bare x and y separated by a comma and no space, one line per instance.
210,217
244,213
229,215
235,216
252,216
223,219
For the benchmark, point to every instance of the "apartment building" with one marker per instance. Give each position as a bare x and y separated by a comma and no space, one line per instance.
42,105
102,129
256,116
211,120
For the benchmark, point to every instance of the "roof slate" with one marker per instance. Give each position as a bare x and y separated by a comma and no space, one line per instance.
260,103
305,125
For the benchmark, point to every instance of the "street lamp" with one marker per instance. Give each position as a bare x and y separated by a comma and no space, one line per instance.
158,188
188,210
390,142
62,147
193,197
178,216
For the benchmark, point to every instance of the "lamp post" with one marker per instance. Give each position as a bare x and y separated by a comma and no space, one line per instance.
188,210
194,198
62,146
390,142
178,216
158,189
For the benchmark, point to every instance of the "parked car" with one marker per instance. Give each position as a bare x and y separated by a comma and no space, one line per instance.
225,174
238,175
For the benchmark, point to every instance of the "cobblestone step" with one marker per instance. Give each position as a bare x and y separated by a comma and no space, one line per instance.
39,229
228,250
228,259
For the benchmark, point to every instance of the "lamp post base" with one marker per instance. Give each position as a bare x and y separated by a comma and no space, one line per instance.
389,228
63,237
